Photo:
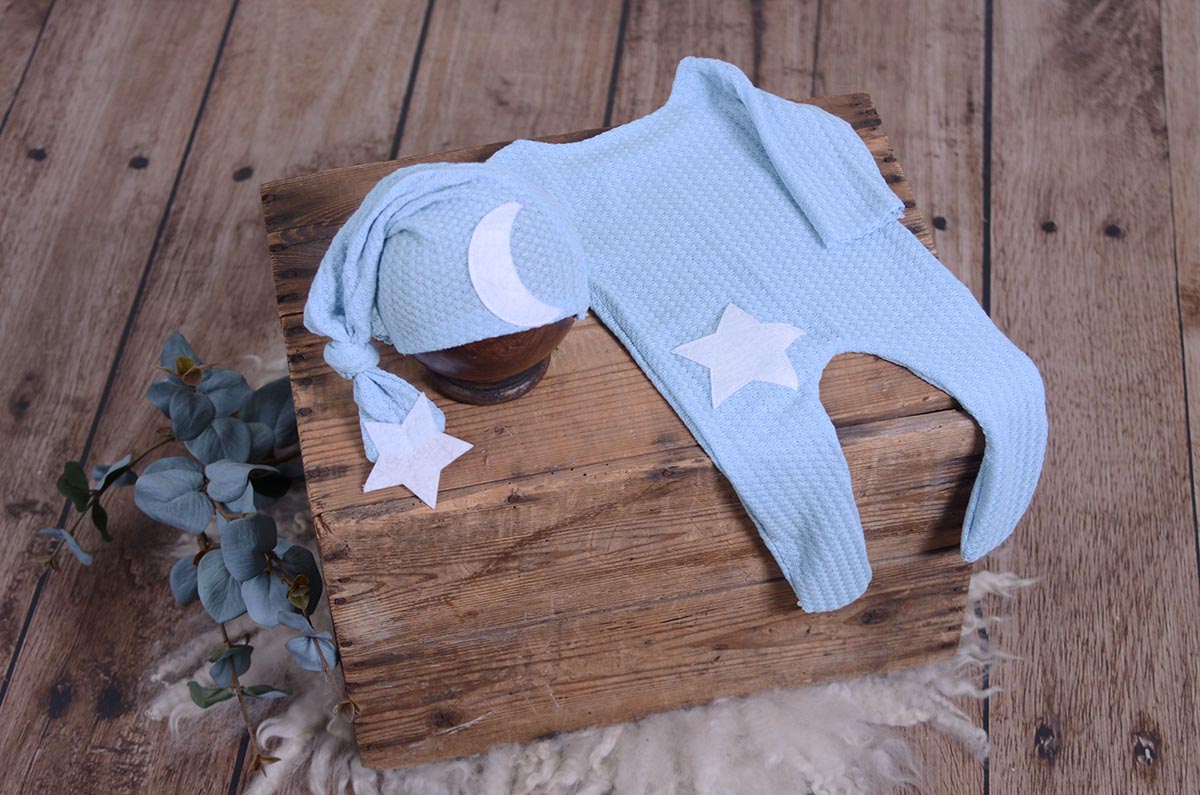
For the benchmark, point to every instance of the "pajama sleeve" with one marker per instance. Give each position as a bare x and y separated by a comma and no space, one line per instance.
822,161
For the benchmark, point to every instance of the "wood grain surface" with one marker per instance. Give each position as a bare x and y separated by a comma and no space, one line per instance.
498,71
1103,697
21,23
314,107
88,106
1181,55
934,107
1078,136
588,525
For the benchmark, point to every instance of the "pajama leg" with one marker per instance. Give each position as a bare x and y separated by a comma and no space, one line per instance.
796,487
940,333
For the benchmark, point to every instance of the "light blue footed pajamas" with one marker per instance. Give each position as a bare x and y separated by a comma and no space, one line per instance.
729,195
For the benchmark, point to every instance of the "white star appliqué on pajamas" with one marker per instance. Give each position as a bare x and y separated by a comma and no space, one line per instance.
412,453
744,349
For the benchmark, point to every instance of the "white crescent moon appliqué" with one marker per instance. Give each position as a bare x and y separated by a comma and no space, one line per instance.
495,277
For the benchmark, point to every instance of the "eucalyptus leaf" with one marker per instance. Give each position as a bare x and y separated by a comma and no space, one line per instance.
204,697
219,592
296,621
304,651
175,347
245,544
68,539
170,491
100,520
227,480
183,581
160,394
73,484
226,389
271,485
190,412
265,596
271,404
266,691
248,502
226,661
226,438
262,440
117,473
298,560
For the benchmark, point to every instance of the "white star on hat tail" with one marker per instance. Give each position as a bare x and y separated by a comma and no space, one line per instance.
413,453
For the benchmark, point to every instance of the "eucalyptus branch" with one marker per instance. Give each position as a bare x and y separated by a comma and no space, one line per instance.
347,704
236,686
233,433
280,569
51,561
228,515
95,499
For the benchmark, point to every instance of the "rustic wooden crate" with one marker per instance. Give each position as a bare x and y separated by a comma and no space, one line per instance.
586,563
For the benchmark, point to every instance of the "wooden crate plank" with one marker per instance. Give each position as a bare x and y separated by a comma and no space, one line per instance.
615,532
590,374
496,71
933,103
320,101
1108,640
558,674
111,82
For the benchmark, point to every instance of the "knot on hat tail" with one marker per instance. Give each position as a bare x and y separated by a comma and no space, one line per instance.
351,358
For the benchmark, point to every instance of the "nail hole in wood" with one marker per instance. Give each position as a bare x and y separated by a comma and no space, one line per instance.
37,153
1145,747
939,222
139,162
60,698
1112,230
1049,227
242,174
1046,740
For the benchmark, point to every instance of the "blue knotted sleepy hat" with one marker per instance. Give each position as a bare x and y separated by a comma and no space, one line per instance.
440,255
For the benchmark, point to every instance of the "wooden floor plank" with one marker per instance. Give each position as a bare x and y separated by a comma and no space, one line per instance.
299,88
498,71
1103,698
1181,57
78,219
20,24
772,42
922,62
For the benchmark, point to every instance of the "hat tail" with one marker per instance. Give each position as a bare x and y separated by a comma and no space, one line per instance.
341,303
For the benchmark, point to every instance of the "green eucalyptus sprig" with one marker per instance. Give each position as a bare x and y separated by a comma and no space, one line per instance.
243,454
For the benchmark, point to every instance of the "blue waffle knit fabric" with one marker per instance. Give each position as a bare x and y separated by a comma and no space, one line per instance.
397,271
729,195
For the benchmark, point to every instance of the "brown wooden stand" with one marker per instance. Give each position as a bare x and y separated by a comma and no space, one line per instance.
495,370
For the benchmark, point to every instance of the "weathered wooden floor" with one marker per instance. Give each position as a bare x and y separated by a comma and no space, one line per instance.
1052,144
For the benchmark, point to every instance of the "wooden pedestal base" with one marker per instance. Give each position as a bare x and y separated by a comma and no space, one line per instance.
495,370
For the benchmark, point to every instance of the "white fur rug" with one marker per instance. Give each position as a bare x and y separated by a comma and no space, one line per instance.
834,738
